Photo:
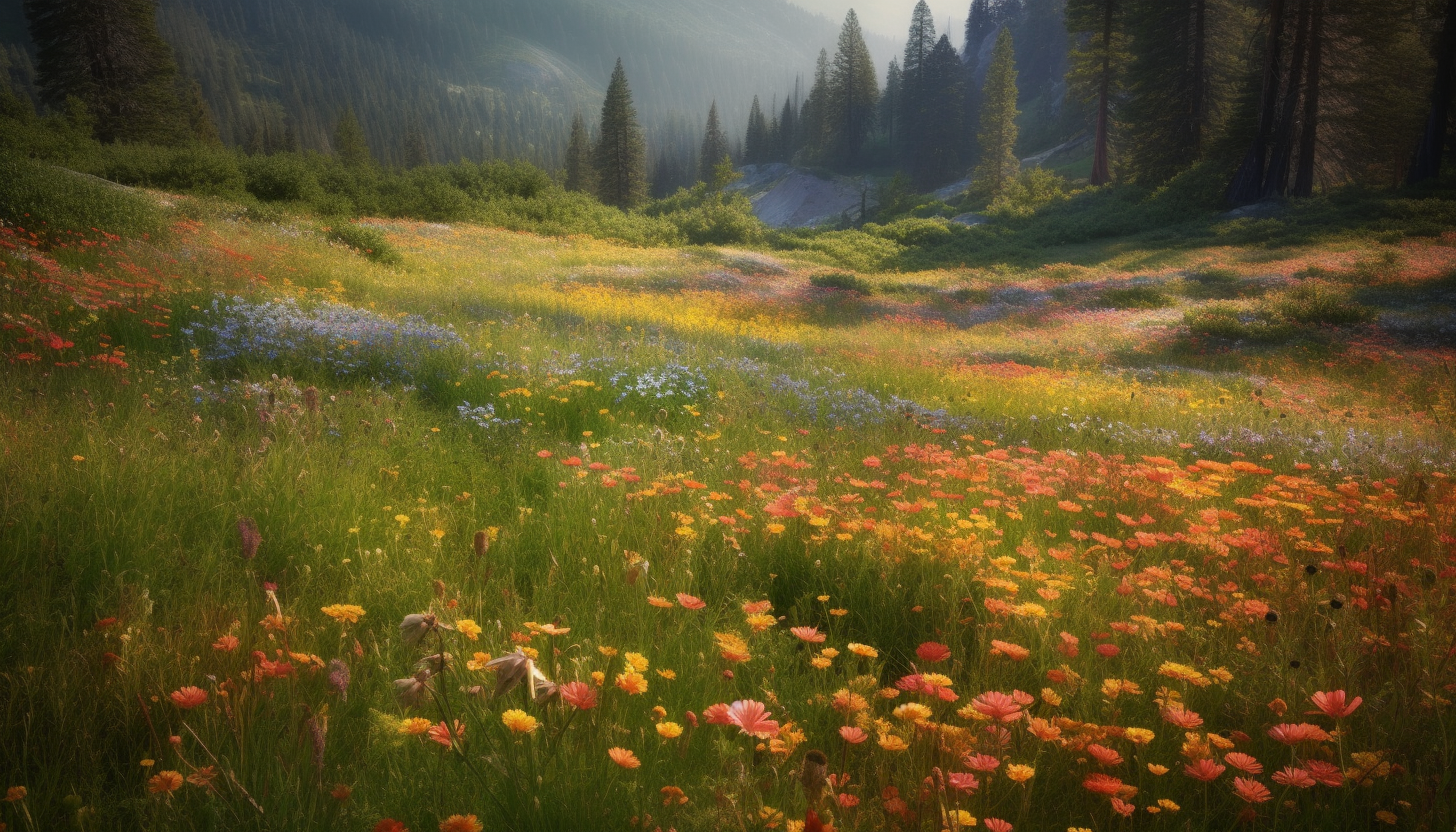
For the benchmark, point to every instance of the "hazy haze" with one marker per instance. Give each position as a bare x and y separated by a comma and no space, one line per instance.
892,17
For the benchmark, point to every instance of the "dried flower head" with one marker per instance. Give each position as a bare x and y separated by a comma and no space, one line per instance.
249,538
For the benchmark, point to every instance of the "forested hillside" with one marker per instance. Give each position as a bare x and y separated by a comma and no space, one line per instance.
466,78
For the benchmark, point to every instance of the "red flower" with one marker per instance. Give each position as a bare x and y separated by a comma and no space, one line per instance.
1251,791
1205,769
1333,705
853,735
579,695
963,781
188,697
690,602
997,825
1294,734
717,714
1292,776
1104,755
1327,774
1102,784
1122,807
1107,651
932,651
981,762
390,825
1182,717
997,706
1243,762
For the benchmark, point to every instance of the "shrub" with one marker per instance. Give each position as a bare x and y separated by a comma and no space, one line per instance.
1028,193
1133,297
369,242
1317,304
39,197
842,281
1211,284
281,177
1232,323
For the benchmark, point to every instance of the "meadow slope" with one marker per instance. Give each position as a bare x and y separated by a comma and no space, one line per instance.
524,532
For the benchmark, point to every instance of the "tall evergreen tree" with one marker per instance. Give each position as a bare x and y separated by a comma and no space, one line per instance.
1096,70
757,139
941,145
980,23
349,142
853,94
416,150
621,153
813,115
715,145
580,172
788,132
1432,146
998,120
109,55
916,102
889,120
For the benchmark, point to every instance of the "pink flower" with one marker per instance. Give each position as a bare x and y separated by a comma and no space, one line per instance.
932,651
1290,734
1205,770
1104,755
1327,774
1291,776
1107,651
690,602
1251,791
853,735
809,634
1181,717
1333,705
997,825
1243,762
1068,646
1122,807
579,695
997,706
963,781
981,762
717,714
752,718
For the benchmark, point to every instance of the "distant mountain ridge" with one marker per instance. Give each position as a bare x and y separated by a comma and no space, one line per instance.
477,78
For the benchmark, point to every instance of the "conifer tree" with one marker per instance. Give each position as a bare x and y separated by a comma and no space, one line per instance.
109,55
979,25
580,172
915,99
715,145
621,153
1432,145
853,94
349,143
1097,69
416,150
757,139
998,119
889,118
813,115
941,144
788,132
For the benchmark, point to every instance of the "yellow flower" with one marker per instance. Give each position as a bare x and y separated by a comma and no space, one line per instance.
863,650
632,682
598,678
1157,770
669,675
468,628
775,528
607,651
78,458
401,519
477,662
760,622
829,653
414,726
838,612
959,817
1138,736
669,730
344,613
912,712
1169,805
437,533
518,721
1386,816
820,663
636,661
892,742
1020,773
1051,697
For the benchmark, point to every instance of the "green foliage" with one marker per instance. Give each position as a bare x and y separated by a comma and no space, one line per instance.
1316,303
1298,311
1028,193
369,242
1232,323
998,120
853,94
1216,284
621,153
42,198
1133,297
281,177
706,215
842,281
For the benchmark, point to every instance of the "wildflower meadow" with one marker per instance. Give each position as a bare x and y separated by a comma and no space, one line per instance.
534,533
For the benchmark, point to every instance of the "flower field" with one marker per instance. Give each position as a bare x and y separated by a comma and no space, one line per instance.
551,533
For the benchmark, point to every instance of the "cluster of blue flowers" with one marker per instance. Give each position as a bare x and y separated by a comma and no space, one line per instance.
855,406
484,416
340,339
670,382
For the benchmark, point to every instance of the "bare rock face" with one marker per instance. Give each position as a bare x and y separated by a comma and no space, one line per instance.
789,197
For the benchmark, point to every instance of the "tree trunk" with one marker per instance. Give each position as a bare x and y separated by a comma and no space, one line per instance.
1427,163
1200,61
1304,179
1247,183
1276,175
1101,169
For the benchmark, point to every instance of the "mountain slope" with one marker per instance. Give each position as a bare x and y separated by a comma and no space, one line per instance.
478,78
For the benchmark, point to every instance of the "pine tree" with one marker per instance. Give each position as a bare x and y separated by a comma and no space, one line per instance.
853,94
812,119
715,145
1096,70
788,143
890,107
109,55
941,144
979,25
580,173
621,153
998,119
1432,146
758,138
416,149
915,101
349,143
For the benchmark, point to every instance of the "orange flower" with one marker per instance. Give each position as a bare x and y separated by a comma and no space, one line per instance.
1295,734
632,682
226,644
1015,652
1103,784
1104,755
690,602
756,607
659,602
1251,791
623,757
1333,704
461,823
164,782
188,697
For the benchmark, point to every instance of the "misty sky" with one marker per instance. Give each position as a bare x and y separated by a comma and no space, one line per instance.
892,17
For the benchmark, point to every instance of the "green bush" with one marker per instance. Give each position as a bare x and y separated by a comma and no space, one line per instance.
39,197
842,281
707,217
1215,284
369,242
1319,304
281,177
1028,193
1133,297
1232,323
